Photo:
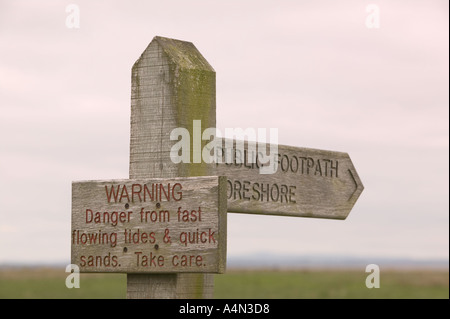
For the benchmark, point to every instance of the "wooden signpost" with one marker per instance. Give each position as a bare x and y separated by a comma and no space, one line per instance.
172,85
150,226
305,183
170,246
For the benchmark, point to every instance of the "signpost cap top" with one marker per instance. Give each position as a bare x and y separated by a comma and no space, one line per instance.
182,53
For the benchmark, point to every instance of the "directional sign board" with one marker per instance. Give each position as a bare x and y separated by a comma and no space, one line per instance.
305,183
150,226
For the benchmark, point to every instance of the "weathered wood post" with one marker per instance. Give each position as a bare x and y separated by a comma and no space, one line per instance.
172,85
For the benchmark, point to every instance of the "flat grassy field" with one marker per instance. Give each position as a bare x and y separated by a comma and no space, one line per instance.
240,284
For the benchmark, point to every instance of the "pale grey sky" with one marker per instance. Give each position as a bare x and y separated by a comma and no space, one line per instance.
312,69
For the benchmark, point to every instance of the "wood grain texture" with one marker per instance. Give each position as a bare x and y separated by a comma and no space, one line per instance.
150,226
306,183
172,85
169,286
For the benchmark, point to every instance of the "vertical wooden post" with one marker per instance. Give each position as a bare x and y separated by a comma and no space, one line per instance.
172,85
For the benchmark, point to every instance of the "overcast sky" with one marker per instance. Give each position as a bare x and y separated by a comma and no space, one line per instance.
312,69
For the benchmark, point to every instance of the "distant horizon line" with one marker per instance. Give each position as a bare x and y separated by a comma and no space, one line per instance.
266,260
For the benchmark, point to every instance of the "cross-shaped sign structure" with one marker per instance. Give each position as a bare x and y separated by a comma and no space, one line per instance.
166,225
